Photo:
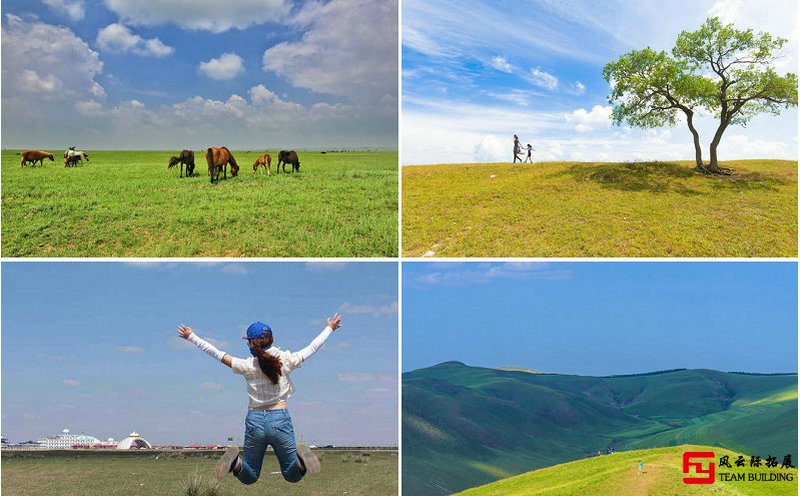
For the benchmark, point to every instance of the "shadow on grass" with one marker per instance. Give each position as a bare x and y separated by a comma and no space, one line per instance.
665,177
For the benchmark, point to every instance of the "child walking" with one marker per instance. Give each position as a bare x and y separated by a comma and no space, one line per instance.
268,386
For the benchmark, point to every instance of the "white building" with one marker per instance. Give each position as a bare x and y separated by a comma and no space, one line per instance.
134,441
65,440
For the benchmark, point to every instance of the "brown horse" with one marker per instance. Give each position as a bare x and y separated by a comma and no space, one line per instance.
34,156
265,161
219,158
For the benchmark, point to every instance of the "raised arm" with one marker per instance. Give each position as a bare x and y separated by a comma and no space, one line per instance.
333,324
186,333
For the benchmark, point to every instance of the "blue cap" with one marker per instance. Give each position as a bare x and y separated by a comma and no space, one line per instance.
259,330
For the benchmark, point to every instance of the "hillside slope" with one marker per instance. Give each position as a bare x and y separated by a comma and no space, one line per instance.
465,426
618,474
600,209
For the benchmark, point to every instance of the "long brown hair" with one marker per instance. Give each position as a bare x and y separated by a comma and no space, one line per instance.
270,365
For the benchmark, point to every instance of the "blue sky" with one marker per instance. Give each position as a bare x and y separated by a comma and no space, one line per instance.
477,72
92,347
164,74
602,318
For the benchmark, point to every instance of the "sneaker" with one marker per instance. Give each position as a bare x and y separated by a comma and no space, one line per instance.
309,459
227,462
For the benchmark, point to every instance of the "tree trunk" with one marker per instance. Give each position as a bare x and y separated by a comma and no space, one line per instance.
713,166
698,152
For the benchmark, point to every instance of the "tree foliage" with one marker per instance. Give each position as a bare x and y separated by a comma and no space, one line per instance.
718,69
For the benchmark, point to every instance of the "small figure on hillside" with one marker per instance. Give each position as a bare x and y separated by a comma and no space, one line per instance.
641,465
517,149
530,148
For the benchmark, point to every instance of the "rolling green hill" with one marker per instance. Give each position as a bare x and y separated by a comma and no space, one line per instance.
618,474
465,426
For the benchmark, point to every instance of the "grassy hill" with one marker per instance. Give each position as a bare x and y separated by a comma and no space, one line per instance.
568,209
127,204
465,426
618,474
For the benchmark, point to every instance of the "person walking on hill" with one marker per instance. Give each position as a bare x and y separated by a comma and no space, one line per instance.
517,149
641,465
268,386
530,149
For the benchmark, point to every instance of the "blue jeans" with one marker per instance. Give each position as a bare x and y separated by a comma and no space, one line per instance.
269,428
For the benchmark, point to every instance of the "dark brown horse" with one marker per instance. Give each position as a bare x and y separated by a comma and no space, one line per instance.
186,157
219,158
288,157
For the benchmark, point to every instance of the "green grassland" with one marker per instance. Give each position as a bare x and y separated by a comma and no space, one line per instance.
618,474
108,474
466,426
126,203
568,209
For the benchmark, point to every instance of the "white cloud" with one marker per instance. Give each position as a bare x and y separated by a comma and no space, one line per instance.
501,64
73,9
419,42
376,311
726,10
42,59
227,66
209,15
580,88
544,79
773,16
491,150
481,273
349,48
71,382
117,38
129,349
522,98
34,83
89,108
748,147
598,118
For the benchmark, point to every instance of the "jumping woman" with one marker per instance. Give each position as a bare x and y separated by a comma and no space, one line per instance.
268,385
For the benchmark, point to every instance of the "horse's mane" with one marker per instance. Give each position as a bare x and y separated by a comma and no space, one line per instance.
230,157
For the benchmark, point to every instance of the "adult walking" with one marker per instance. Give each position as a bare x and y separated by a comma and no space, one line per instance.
517,149
269,387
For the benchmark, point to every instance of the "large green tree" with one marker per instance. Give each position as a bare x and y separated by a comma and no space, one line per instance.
718,69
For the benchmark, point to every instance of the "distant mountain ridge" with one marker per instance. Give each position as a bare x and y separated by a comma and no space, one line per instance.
465,426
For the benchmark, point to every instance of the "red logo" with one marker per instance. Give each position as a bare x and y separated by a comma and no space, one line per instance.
698,467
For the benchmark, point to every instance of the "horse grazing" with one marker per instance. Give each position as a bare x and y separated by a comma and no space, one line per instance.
72,157
34,156
186,157
265,161
71,161
219,158
288,157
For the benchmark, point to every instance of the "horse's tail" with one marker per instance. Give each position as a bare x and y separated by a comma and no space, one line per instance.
210,162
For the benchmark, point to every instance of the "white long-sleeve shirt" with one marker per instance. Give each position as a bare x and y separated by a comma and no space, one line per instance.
260,390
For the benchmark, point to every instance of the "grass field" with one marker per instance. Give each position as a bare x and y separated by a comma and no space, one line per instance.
343,473
618,474
126,203
567,209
